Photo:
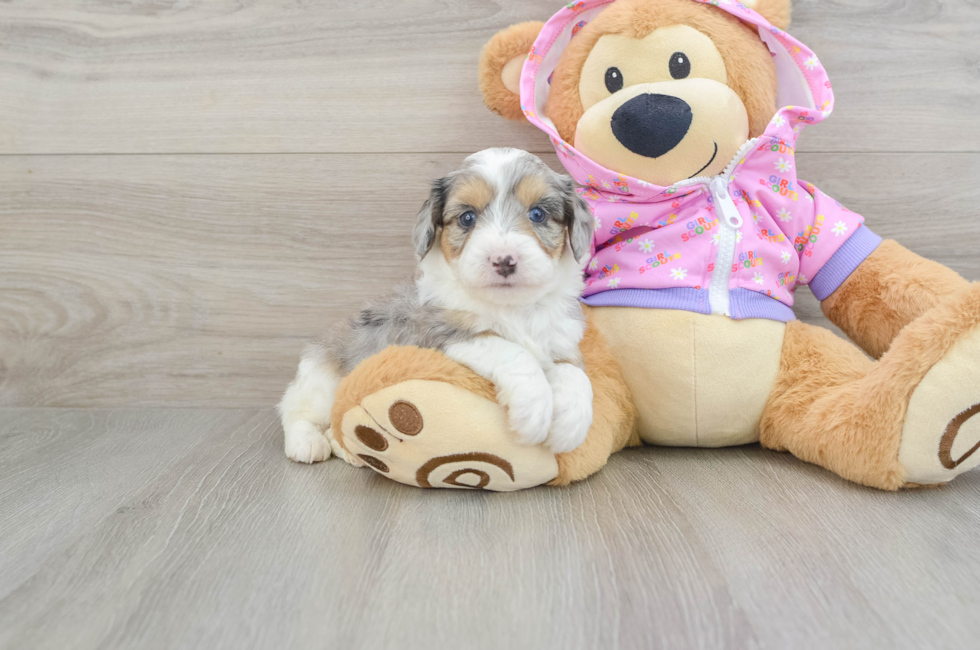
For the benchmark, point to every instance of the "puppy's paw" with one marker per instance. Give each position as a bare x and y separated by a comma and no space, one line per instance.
305,443
573,408
530,406
342,453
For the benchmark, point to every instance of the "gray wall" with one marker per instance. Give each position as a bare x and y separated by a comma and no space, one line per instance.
189,191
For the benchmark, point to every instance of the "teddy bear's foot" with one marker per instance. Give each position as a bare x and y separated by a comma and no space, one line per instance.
941,436
436,434
419,418
908,420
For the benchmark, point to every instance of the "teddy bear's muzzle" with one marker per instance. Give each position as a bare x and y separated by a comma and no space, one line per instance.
666,131
651,125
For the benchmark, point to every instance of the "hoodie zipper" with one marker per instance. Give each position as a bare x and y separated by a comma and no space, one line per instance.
731,222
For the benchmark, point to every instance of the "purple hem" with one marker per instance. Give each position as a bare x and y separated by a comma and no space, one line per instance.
687,299
745,303
847,258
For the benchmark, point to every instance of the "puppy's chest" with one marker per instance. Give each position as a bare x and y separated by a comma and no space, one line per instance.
546,338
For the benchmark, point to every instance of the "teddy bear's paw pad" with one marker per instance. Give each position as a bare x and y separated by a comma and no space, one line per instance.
941,438
435,434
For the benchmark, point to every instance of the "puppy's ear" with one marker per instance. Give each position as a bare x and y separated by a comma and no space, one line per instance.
776,12
578,221
429,218
500,68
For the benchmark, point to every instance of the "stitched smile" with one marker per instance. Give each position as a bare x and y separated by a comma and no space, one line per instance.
713,156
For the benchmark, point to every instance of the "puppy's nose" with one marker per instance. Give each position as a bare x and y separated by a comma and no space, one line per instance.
505,266
651,125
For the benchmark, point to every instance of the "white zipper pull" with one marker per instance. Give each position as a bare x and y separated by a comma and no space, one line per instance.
718,186
724,204
718,295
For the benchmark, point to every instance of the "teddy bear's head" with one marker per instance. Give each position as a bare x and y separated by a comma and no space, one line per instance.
661,90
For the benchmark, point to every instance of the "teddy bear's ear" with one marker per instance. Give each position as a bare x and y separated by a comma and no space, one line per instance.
776,12
500,68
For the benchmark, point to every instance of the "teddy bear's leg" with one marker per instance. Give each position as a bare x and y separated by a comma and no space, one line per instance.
889,290
422,419
903,421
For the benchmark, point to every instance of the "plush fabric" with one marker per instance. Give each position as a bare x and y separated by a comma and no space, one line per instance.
703,380
751,73
614,417
893,287
446,411
777,12
668,364
830,404
821,409
836,408
436,434
398,364
510,44
666,238
940,399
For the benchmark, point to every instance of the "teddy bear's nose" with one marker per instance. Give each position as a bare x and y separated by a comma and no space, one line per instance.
651,125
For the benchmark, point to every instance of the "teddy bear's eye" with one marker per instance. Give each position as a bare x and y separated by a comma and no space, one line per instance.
680,66
614,80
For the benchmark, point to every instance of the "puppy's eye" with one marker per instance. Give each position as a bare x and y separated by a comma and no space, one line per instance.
467,219
614,80
536,215
680,65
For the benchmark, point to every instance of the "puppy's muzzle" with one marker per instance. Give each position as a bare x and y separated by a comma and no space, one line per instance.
505,266
651,125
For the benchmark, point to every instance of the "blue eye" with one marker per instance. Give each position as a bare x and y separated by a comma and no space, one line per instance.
467,219
537,215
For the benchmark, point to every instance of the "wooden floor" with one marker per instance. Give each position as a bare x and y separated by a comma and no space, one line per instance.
138,528
191,189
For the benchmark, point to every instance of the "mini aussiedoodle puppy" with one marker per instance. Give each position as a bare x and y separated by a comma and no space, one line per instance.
501,243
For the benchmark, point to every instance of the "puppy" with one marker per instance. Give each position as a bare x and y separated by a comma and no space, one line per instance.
501,243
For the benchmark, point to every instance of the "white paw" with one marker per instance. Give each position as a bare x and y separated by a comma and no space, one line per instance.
305,443
573,408
530,405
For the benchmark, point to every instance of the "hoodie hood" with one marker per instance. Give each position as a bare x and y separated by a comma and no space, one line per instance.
804,92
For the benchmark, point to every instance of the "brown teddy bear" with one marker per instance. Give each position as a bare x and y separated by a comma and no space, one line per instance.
680,119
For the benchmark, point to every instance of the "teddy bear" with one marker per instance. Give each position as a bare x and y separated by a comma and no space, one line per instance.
679,119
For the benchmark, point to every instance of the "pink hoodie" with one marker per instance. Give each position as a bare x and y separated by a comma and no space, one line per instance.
736,244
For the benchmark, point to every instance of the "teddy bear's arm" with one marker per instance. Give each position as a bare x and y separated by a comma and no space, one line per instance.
889,290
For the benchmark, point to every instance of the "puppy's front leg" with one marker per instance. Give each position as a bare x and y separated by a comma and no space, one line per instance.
573,407
522,386
305,411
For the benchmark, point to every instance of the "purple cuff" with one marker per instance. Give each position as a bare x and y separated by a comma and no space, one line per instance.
847,258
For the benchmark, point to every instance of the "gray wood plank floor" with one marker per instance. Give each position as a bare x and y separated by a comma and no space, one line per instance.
188,528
